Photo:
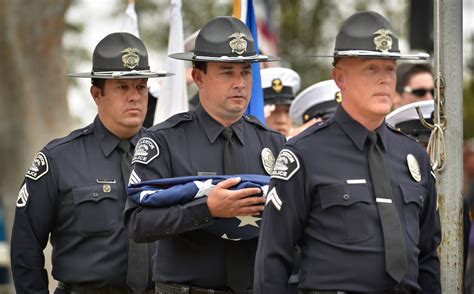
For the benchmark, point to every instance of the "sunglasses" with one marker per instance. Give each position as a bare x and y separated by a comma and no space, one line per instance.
420,92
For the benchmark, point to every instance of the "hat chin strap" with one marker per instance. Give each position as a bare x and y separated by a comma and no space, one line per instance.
118,74
375,54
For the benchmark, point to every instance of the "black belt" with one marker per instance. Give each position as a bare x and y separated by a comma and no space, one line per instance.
72,289
162,288
394,290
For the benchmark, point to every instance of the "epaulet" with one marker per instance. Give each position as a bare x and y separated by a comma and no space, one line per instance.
254,120
395,130
310,130
174,120
72,136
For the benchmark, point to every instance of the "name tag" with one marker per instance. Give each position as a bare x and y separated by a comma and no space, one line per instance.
207,173
356,181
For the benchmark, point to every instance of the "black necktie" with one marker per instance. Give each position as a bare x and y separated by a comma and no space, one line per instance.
230,160
137,269
394,241
237,261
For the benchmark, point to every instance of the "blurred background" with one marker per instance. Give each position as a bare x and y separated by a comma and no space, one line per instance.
43,40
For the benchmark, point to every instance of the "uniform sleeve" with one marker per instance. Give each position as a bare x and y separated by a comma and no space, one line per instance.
287,206
146,224
430,237
34,217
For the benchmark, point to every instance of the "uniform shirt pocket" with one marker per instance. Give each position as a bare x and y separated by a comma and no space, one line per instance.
346,213
413,199
96,209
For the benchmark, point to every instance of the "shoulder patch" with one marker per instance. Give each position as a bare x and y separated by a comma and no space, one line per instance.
22,196
73,135
174,120
145,151
39,167
286,165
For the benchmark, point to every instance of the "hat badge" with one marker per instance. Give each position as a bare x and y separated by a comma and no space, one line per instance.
277,85
238,44
383,40
130,58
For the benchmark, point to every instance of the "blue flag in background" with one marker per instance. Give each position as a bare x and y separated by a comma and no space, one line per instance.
180,190
255,106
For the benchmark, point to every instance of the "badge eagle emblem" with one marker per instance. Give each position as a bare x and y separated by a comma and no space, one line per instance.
277,85
238,44
268,160
130,58
383,40
414,167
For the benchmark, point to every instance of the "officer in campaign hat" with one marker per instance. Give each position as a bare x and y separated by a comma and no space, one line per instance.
407,120
214,139
280,86
357,195
74,191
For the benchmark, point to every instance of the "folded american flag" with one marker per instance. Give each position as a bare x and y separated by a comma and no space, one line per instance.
179,190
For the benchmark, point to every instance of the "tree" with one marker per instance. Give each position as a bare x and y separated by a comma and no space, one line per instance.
32,88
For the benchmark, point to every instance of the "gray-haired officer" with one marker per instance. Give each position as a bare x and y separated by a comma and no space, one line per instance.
356,195
189,258
75,187
280,86
316,103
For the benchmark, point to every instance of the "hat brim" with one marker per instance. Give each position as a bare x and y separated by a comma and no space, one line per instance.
189,56
375,54
115,75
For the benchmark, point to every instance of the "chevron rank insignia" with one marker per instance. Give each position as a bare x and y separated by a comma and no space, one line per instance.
273,198
22,196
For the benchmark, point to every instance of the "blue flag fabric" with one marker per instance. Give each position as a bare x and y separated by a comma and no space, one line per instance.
255,106
180,190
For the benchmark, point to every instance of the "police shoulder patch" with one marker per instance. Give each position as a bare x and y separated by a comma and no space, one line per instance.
22,196
145,151
286,165
39,167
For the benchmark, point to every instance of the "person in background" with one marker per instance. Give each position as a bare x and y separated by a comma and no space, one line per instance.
316,103
357,196
214,139
74,191
414,83
280,86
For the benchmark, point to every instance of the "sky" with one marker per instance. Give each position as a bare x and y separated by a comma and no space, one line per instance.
99,24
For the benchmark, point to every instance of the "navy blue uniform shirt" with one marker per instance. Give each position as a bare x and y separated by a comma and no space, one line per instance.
75,191
321,197
189,144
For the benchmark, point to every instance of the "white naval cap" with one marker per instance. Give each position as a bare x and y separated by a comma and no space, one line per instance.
318,100
406,119
279,85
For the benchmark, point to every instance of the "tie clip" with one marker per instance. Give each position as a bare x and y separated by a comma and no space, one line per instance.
383,200
99,181
356,181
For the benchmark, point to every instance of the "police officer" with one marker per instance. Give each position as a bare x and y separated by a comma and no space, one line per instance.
415,82
316,103
189,258
74,189
356,195
280,86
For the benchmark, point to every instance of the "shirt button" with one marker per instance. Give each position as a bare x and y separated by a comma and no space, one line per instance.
196,222
346,197
84,130
206,219
95,194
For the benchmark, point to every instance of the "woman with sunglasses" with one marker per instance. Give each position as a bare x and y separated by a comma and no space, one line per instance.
414,83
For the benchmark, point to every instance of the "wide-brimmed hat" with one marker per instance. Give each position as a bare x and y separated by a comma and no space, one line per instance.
369,35
120,56
407,120
279,85
317,101
224,39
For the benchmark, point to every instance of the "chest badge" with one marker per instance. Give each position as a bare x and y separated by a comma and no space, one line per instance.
414,167
268,160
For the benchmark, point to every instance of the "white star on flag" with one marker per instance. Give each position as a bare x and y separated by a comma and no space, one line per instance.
143,194
204,188
225,237
248,220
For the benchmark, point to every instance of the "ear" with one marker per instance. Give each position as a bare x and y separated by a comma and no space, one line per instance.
339,77
95,93
198,77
